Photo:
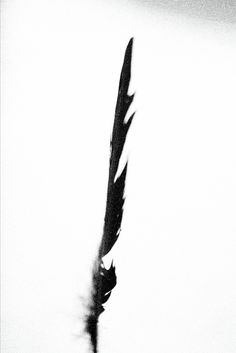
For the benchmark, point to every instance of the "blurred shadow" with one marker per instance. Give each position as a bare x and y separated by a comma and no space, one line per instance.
215,10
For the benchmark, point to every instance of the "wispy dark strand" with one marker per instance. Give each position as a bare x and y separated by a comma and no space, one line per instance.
104,280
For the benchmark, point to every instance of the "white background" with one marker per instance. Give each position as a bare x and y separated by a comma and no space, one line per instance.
175,259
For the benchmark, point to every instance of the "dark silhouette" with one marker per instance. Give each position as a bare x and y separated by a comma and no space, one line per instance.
104,280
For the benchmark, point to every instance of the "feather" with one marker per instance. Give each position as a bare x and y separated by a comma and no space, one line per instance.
104,280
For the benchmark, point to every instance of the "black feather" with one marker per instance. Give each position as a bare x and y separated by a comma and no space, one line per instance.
104,280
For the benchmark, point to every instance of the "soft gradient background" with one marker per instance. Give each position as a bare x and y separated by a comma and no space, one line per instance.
175,258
